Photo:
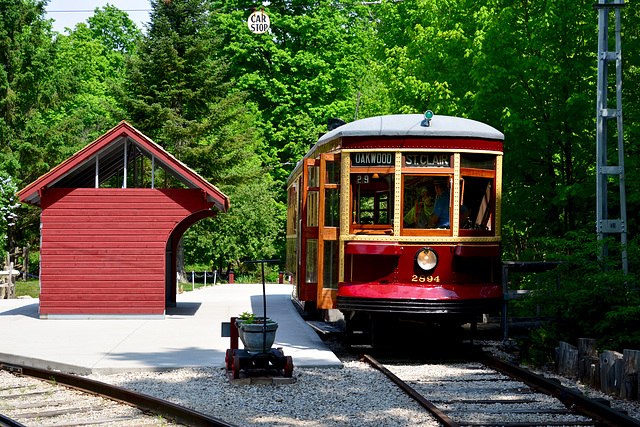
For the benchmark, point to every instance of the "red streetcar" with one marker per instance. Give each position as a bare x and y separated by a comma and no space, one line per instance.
398,216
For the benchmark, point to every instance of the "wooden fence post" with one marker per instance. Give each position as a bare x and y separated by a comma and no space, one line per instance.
593,374
25,262
610,362
8,289
586,349
5,291
12,282
630,369
567,359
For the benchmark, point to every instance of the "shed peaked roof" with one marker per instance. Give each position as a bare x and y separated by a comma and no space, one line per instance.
107,154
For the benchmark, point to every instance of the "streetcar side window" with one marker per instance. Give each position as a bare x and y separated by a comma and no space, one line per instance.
311,273
313,194
477,192
332,207
427,202
372,198
333,173
331,265
478,205
292,208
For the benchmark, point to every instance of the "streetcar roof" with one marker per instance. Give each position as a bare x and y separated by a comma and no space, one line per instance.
414,125
409,125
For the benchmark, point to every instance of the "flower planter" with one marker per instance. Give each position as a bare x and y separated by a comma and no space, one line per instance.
253,335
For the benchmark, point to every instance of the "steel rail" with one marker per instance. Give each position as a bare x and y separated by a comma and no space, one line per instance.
571,399
8,422
141,401
440,416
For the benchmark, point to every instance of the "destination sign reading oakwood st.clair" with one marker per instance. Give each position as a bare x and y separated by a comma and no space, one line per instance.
424,160
372,159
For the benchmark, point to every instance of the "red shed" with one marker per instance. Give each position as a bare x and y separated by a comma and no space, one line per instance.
112,216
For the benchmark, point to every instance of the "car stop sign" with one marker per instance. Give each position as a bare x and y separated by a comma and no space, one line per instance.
258,22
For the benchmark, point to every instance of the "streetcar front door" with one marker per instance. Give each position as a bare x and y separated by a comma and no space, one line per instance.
328,231
307,253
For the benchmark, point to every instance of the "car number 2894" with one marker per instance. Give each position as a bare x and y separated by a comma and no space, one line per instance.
425,279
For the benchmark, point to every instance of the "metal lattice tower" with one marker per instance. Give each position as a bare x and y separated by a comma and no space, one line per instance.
606,226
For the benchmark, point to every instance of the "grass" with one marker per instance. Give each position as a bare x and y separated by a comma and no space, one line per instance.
30,288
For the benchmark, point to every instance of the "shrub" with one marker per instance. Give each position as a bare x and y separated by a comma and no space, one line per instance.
593,298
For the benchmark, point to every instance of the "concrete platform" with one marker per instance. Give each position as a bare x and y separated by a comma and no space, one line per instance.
188,336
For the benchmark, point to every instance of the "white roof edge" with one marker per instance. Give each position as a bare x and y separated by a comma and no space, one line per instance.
414,125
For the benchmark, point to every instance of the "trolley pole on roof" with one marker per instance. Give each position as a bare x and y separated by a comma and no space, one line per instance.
604,225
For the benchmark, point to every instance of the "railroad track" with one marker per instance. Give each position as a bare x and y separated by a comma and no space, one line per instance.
489,392
38,397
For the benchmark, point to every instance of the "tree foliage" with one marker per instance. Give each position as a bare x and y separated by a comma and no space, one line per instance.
177,92
586,295
241,108
30,86
114,29
528,68
8,206
309,67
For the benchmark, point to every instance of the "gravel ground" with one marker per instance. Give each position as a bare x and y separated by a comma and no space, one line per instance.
458,388
632,408
356,395
29,400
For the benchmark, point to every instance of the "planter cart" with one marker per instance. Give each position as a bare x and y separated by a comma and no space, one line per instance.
259,363
258,357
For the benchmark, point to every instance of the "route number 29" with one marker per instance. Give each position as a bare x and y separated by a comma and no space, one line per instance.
425,279
363,179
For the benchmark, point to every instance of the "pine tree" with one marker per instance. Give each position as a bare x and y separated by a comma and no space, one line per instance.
30,84
178,94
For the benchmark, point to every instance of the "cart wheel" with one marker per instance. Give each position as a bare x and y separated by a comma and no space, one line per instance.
235,367
229,358
288,367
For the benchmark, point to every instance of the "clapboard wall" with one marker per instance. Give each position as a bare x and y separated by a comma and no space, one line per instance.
104,250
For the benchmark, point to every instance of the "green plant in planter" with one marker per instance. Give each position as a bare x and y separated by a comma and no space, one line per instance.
251,319
251,330
247,317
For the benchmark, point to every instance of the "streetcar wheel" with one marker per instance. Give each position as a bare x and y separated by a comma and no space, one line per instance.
288,367
235,367
359,330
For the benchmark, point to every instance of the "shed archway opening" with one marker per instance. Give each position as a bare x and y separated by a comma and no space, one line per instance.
171,282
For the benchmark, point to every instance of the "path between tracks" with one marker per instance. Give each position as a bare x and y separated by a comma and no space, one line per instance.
188,336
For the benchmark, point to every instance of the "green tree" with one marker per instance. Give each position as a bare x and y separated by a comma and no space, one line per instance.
30,84
114,29
527,68
177,92
631,108
425,62
310,66
97,70
537,65
8,207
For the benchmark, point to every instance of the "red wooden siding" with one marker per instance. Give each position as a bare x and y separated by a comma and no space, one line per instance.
103,250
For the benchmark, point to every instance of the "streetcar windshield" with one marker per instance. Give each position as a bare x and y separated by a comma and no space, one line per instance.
427,201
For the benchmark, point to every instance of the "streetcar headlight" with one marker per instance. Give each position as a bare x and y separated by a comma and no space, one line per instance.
426,259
